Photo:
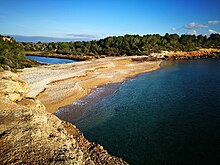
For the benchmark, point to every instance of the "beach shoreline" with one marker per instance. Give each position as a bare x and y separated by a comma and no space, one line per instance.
75,111
59,85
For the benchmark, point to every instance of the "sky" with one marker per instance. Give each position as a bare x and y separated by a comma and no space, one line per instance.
53,20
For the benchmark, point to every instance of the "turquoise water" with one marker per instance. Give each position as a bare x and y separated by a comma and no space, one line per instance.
170,116
50,60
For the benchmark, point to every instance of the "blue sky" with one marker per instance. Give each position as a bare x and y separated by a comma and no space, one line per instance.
94,19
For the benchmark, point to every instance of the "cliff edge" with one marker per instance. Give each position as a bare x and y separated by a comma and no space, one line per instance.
30,135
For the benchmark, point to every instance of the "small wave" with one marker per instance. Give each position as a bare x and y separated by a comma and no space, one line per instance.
79,102
96,92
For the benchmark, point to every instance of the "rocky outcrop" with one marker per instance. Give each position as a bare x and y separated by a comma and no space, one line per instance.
30,135
12,87
179,55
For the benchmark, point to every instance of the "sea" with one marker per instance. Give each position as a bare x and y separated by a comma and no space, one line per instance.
49,60
170,116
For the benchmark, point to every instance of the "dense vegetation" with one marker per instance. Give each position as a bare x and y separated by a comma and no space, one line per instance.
128,45
11,56
11,52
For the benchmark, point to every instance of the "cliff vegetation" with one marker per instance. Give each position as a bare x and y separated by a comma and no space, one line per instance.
12,55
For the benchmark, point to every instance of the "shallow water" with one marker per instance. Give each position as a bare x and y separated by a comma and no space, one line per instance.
168,116
50,60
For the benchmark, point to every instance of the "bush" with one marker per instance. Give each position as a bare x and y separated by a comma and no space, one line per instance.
12,57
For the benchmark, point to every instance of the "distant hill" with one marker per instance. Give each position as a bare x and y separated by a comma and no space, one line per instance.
35,39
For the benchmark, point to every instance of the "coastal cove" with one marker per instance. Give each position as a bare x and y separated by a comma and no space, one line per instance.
49,60
167,116
127,82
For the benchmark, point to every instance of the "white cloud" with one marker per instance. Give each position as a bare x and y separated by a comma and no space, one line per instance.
213,22
213,31
82,35
202,26
195,28
194,25
192,32
190,25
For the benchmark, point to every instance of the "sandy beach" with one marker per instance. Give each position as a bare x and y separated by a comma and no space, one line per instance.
59,85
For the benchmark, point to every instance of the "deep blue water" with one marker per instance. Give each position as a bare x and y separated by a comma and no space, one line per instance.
50,60
170,116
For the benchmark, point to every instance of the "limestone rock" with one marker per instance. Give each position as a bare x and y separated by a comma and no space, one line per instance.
30,135
11,86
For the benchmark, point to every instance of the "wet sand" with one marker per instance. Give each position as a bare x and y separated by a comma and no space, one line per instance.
62,84
75,111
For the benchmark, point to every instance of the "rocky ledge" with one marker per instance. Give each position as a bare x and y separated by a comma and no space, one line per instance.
179,55
30,135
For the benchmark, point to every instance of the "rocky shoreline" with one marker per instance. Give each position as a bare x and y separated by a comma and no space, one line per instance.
202,53
30,135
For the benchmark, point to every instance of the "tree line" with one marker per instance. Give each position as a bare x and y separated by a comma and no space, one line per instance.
12,52
128,45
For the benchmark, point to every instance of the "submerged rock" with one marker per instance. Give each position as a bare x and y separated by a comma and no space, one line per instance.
30,135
